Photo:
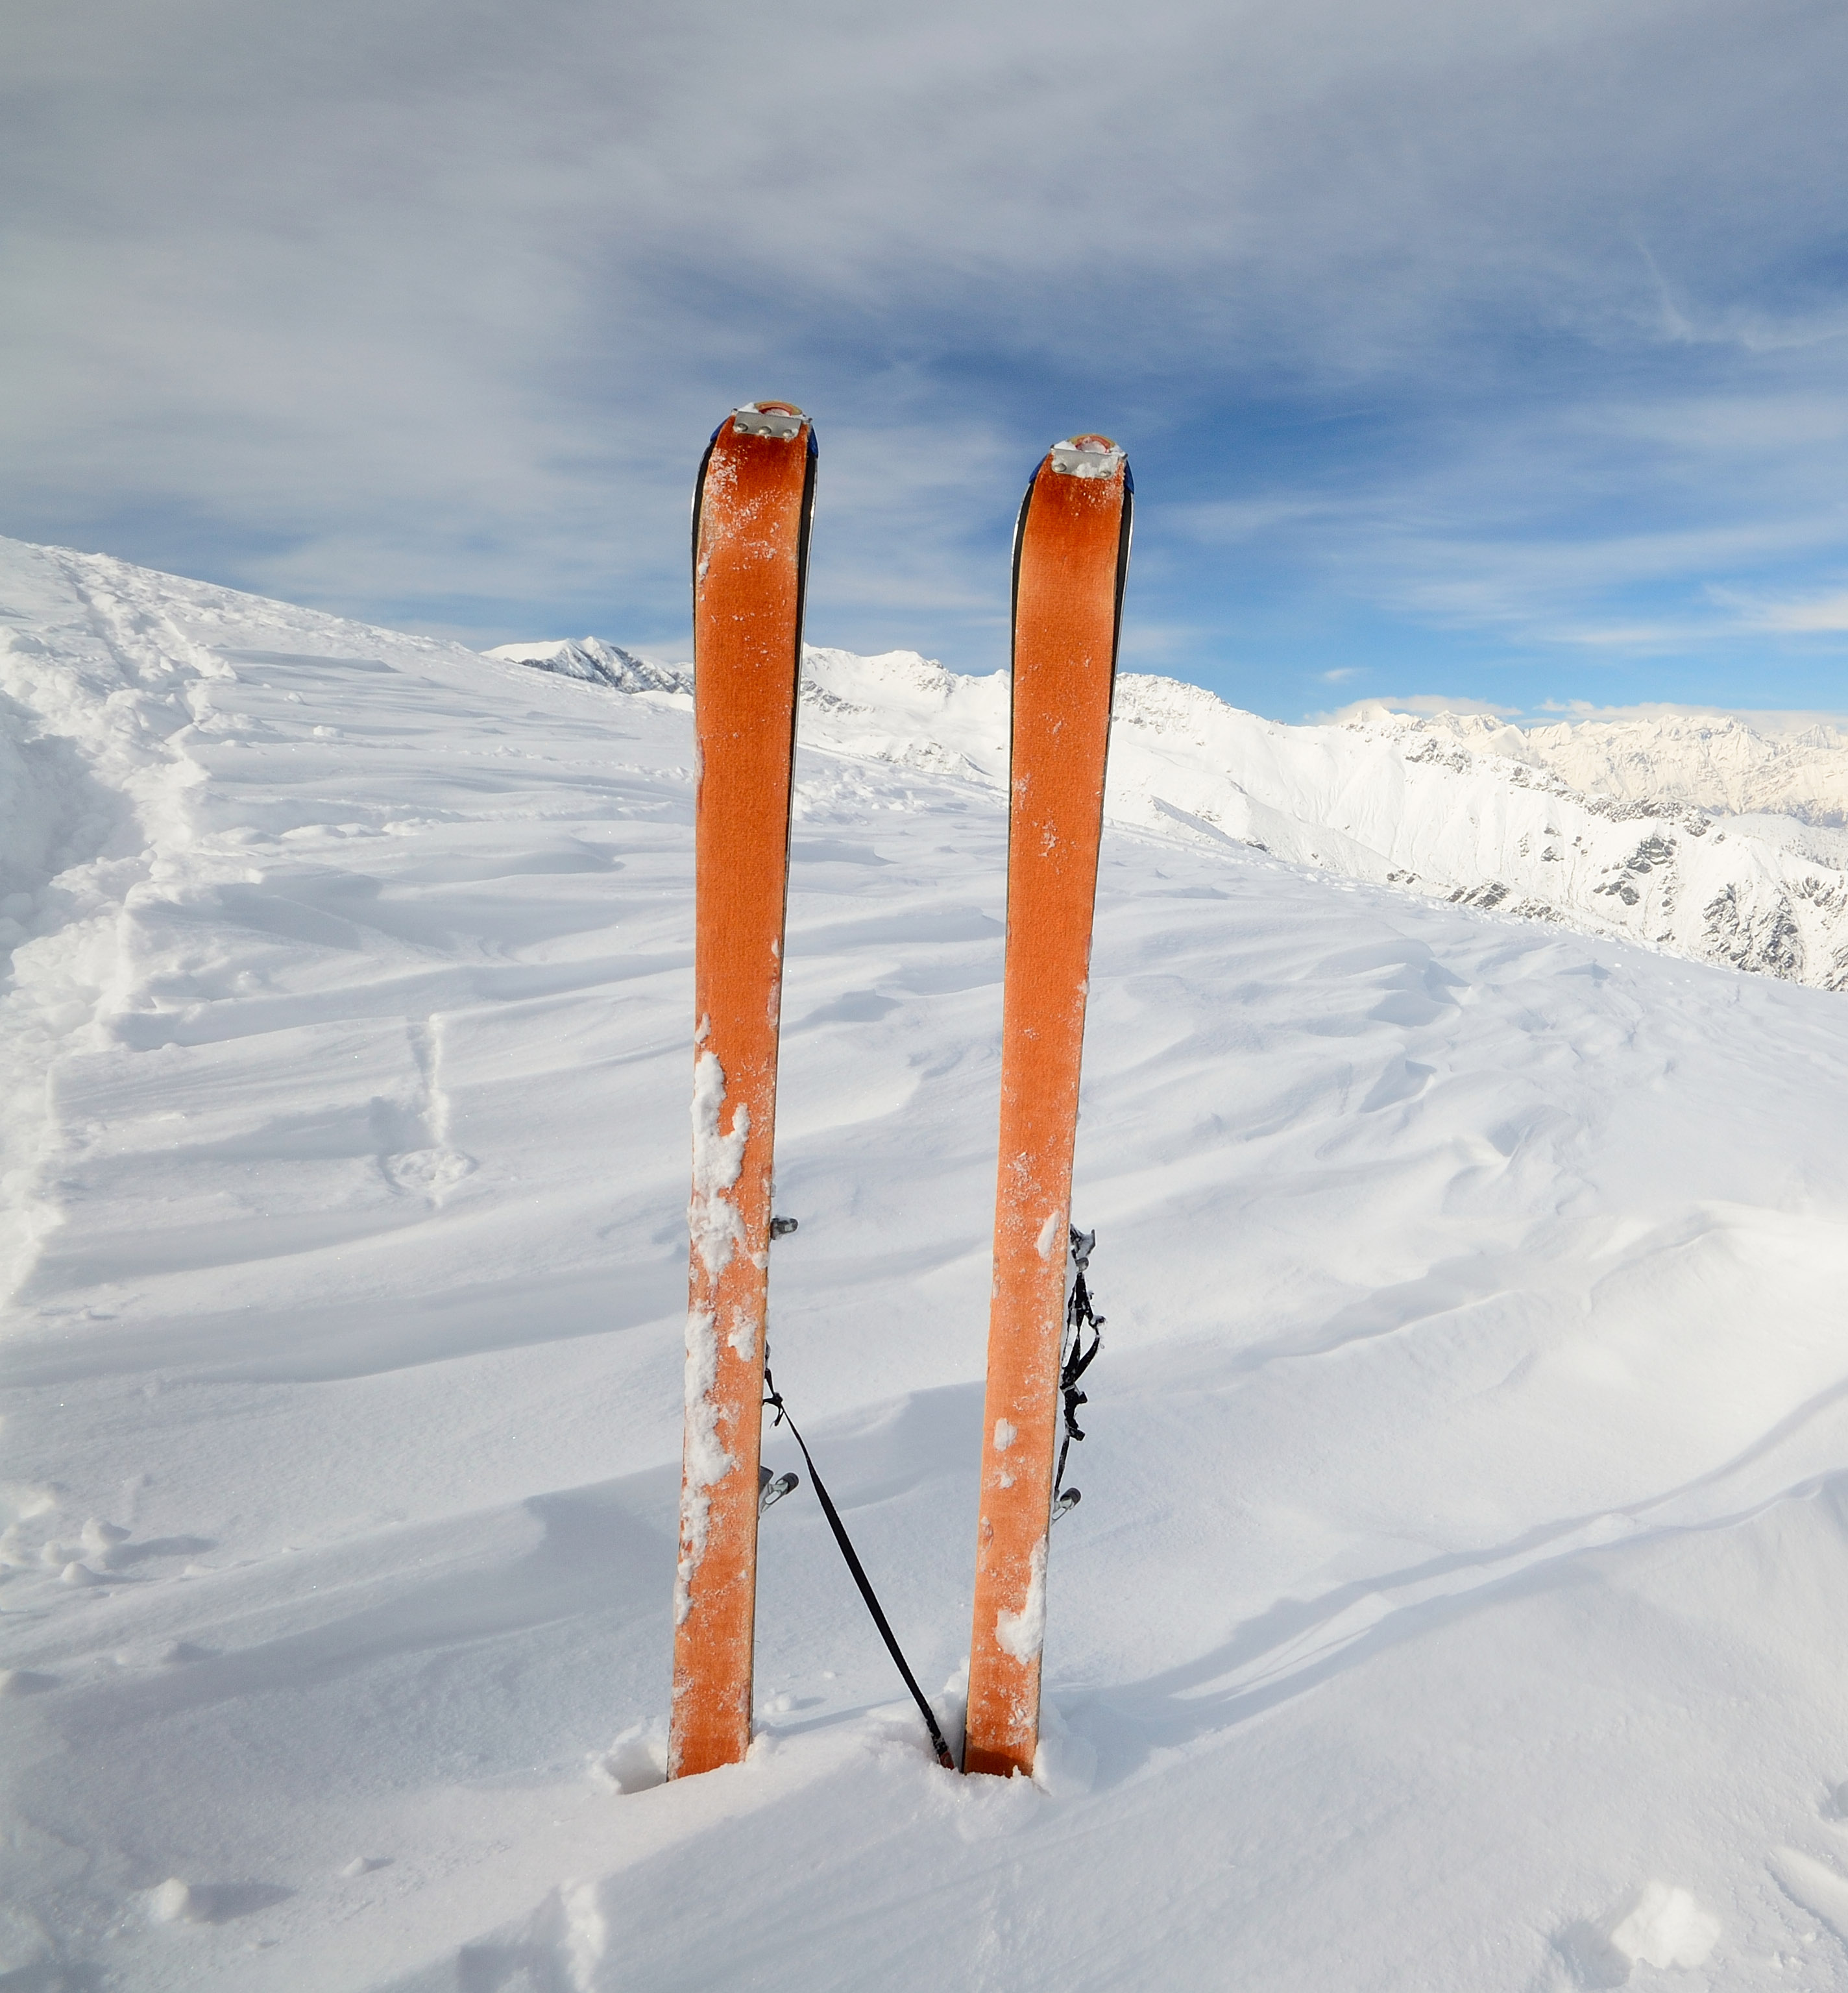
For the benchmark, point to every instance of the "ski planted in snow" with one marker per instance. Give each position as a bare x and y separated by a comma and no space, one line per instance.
1071,551
752,512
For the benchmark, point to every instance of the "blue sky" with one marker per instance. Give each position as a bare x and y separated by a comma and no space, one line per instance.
1464,353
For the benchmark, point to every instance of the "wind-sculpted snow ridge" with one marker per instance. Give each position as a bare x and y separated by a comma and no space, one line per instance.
1457,1599
1394,801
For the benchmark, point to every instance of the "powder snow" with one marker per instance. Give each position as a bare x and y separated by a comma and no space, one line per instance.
1457,1601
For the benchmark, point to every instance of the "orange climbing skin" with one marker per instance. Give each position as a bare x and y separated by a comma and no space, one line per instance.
1072,544
749,548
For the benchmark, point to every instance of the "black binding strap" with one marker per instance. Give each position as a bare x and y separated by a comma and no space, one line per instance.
1075,1359
774,1397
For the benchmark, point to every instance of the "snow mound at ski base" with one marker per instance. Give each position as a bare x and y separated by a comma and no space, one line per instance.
1456,1601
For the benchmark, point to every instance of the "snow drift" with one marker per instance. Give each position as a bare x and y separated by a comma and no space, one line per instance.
1457,1601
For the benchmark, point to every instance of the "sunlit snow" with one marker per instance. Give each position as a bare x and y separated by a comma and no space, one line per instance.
1457,1598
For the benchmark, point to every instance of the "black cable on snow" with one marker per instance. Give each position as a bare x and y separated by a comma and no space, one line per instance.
774,1397
1075,1360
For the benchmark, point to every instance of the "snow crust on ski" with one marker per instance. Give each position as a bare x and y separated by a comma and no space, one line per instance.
752,512
1071,552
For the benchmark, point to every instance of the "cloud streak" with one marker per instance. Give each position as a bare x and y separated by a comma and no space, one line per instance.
1461,322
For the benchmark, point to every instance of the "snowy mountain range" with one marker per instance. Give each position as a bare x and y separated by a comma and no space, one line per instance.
1714,761
1456,809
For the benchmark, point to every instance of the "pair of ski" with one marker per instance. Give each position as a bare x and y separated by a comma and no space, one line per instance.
751,513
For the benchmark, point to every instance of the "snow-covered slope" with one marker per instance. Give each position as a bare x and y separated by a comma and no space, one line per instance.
1393,801
1457,1601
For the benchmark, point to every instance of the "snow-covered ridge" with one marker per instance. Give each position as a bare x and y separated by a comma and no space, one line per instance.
591,660
1440,807
1714,762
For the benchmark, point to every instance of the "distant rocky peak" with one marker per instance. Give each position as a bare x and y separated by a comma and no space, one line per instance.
596,662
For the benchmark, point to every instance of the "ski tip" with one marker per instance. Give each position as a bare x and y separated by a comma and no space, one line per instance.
1086,457
780,421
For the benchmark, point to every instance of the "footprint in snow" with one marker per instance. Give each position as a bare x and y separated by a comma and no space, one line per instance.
178,1903
1404,1079
636,1762
24,1681
100,1538
428,1171
1812,1885
1663,1926
106,1551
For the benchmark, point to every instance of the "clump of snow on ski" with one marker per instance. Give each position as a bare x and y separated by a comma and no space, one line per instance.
718,1161
751,527
1021,1634
1071,550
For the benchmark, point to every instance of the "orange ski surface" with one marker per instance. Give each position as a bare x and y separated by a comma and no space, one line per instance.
1070,554
751,529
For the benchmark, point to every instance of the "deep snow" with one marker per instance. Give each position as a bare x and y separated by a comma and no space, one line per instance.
1457,1597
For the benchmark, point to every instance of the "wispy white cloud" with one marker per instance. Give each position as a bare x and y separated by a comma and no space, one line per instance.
1424,704
1772,721
1777,720
1809,614
426,309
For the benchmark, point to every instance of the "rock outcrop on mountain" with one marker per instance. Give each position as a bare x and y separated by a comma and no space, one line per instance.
596,662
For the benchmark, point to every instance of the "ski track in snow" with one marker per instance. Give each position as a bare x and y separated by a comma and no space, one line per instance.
1456,1599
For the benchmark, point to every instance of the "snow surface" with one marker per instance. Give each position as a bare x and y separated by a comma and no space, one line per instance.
1457,1597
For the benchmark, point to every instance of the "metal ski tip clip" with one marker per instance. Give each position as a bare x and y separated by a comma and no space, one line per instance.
1066,1503
770,1492
1086,456
781,1228
780,421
